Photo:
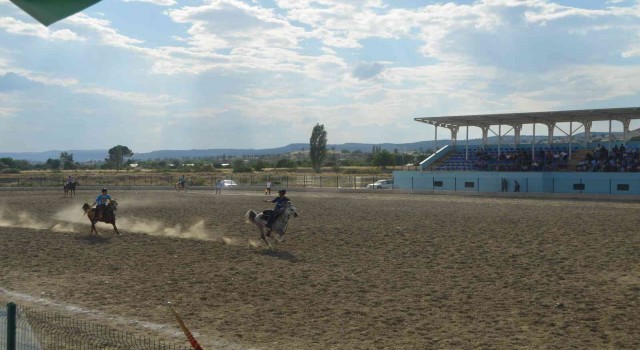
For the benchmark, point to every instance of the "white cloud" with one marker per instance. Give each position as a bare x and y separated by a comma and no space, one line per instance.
155,2
103,29
231,23
14,26
7,112
46,79
158,101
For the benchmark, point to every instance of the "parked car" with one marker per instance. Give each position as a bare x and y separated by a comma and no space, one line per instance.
228,183
381,184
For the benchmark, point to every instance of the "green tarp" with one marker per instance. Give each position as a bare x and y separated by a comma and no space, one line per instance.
51,11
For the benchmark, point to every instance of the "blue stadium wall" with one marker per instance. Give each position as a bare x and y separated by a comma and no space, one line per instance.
537,182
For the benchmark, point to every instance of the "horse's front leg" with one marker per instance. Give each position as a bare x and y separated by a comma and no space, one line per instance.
93,228
115,228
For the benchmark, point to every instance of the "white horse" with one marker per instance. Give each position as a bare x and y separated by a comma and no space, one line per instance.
279,226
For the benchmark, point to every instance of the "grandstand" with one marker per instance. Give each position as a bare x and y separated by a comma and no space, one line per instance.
543,164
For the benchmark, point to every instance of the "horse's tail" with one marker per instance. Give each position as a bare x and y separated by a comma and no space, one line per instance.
250,216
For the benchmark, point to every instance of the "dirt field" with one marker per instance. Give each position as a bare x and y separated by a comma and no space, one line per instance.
358,271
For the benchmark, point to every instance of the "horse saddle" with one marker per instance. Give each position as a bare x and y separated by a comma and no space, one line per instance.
107,213
266,214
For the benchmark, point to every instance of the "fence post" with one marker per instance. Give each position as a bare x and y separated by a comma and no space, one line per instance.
11,326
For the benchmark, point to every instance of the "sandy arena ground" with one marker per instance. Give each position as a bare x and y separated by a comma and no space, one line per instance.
358,271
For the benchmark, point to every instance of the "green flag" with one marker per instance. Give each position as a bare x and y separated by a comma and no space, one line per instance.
51,11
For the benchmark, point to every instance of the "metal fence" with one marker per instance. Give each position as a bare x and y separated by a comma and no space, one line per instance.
278,181
28,329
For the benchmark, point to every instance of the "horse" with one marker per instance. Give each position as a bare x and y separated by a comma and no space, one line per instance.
279,226
108,215
179,187
70,188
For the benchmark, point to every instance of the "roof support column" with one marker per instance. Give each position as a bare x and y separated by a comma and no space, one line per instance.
466,146
570,137
625,130
436,140
485,135
587,132
499,138
533,143
610,136
454,134
551,126
516,139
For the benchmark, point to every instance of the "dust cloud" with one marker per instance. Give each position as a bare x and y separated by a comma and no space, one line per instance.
71,214
66,220
157,228
23,219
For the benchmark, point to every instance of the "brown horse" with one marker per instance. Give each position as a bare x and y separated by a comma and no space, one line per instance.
70,188
108,215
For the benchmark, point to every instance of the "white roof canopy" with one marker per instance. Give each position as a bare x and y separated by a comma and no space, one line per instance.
581,116
582,119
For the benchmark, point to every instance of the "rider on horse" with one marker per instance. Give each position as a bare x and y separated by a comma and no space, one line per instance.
102,201
280,201
182,180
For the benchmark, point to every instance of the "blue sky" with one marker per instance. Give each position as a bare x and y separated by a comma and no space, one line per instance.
167,74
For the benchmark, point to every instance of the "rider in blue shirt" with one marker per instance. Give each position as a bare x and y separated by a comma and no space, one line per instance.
102,201
280,202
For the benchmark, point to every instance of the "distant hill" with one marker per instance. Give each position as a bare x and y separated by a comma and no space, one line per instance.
99,155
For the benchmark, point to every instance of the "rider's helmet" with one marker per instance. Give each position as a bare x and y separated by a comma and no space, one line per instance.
104,190
282,191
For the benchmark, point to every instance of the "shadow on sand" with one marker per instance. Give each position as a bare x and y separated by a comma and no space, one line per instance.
279,254
94,239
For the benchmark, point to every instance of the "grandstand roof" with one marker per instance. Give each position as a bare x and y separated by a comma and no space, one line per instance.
580,116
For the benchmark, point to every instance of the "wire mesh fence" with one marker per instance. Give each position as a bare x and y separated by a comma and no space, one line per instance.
36,329
207,180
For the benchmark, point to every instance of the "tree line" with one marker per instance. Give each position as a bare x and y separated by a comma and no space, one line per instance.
317,156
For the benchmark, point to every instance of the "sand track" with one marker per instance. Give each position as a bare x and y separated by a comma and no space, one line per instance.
359,271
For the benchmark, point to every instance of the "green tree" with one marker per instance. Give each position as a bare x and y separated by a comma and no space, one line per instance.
318,146
117,155
285,163
384,158
67,161
6,163
259,165
53,164
240,166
